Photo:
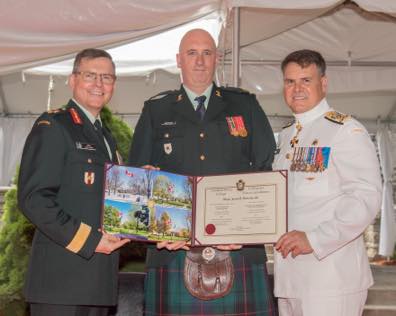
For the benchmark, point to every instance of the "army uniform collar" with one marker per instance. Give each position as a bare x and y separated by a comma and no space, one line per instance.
192,95
321,108
183,106
88,114
88,129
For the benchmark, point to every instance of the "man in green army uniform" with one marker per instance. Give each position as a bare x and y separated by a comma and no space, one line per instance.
73,265
203,129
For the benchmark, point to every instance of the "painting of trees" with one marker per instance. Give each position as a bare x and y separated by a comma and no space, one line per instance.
111,217
114,180
165,223
163,187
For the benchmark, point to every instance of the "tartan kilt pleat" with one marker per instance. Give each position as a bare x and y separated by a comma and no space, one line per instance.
251,294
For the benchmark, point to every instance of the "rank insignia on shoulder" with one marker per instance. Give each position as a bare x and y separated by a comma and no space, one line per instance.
337,117
288,124
236,126
54,111
89,177
43,122
75,116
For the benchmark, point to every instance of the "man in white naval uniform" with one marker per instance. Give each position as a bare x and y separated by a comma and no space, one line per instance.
334,186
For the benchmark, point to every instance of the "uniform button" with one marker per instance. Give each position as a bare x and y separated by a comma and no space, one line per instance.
166,135
202,135
288,156
202,157
89,160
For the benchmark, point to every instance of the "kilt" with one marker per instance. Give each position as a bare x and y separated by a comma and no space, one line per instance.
166,295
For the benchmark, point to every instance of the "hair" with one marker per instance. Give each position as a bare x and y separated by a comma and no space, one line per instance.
91,53
305,58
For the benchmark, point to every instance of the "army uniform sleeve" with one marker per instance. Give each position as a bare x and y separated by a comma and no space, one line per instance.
263,141
356,164
39,182
142,143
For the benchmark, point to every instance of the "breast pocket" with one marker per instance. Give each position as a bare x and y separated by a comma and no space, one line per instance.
311,183
84,171
169,147
235,148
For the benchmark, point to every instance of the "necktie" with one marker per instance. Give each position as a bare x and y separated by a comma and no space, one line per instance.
201,106
99,131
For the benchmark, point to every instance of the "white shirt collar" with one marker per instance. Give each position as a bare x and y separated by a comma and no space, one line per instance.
306,117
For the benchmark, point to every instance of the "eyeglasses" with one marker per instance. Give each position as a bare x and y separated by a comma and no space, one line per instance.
88,76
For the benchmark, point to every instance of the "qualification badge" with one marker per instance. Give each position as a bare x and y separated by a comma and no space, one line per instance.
89,177
168,148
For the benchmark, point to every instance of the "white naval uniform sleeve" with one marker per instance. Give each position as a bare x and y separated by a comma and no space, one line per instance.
356,164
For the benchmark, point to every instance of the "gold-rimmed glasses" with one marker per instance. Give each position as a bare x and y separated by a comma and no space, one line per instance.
89,76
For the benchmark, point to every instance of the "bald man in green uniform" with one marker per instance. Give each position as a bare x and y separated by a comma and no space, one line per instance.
73,264
202,129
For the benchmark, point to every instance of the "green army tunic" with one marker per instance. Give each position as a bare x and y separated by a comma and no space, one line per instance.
234,136
60,192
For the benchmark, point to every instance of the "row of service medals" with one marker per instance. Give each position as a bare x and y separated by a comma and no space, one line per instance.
310,159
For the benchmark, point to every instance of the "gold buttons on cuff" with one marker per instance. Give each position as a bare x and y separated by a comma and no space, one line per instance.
202,157
202,135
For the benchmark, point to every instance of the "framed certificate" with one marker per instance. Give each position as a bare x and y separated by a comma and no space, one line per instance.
154,205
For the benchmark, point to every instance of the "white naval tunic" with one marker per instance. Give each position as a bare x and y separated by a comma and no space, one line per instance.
333,207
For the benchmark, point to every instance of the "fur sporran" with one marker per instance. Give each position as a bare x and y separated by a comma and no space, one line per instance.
208,273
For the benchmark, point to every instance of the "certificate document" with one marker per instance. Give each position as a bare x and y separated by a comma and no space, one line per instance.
154,205
241,208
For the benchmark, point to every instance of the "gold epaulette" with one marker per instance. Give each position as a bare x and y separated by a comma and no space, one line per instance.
288,124
337,117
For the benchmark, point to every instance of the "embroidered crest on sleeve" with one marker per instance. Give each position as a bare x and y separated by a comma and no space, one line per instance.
337,117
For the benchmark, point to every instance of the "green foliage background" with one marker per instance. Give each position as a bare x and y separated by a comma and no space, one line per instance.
16,232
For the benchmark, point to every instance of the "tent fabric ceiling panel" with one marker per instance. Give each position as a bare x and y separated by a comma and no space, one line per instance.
44,31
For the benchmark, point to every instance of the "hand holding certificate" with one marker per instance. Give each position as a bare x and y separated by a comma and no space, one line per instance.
153,205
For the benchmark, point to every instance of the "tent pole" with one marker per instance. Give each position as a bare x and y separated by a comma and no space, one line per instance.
235,47
50,90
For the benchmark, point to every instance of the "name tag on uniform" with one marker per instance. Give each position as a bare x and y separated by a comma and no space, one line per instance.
168,124
85,146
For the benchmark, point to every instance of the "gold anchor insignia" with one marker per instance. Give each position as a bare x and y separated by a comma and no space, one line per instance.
179,97
294,140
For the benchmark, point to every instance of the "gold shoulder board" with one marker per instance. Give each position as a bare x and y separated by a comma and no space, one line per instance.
337,117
